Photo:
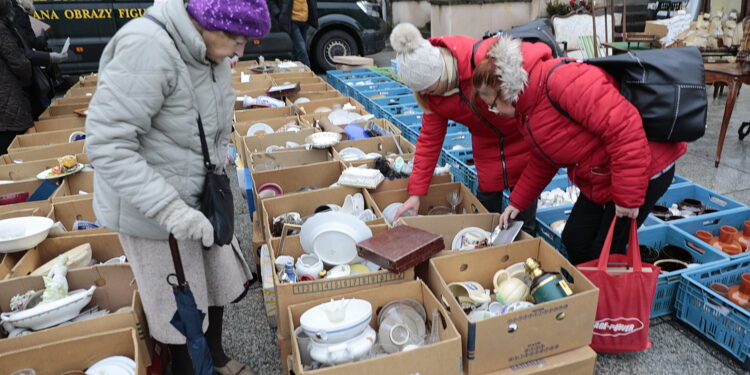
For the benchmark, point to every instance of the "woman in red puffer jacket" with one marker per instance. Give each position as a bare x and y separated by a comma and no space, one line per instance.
620,172
439,71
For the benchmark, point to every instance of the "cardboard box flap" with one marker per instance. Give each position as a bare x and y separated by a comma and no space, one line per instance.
79,184
59,124
581,361
27,141
242,127
434,200
291,179
77,353
260,143
46,152
354,60
383,145
266,161
25,171
261,113
311,107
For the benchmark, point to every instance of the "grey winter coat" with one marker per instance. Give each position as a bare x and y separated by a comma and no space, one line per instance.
141,129
15,73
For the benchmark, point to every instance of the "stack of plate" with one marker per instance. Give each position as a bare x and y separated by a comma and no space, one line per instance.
402,325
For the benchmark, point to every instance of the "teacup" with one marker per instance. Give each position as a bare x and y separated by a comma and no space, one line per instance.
281,262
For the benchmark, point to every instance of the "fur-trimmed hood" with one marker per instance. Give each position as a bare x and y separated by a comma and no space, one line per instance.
27,6
508,58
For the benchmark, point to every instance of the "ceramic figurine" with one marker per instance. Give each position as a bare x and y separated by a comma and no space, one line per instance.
55,283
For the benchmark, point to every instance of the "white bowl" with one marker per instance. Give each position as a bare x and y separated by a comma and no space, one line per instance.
323,139
333,236
317,325
23,233
51,314
351,350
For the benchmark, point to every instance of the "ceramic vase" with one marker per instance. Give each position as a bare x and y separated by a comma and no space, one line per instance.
705,236
740,294
726,242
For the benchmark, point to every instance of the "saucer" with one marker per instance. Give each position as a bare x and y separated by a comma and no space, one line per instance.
259,129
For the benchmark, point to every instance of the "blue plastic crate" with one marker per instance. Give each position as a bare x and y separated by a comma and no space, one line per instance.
351,86
544,230
335,77
457,141
559,181
666,288
680,180
677,193
404,121
366,97
390,113
713,222
380,104
410,135
652,221
462,168
453,127
713,316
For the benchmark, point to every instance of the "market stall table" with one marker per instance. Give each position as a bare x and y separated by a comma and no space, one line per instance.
733,75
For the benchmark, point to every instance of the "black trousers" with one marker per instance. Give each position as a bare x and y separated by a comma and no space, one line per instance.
589,222
493,202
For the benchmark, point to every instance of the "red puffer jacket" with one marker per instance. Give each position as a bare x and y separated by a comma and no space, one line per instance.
485,142
605,150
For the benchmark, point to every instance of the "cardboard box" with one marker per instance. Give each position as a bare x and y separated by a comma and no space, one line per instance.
27,186
581,361
657,28
448,226
115,290
318,175
74,187
247,65
288,294
265,161
262,77
280,78
103,247
31,141
80,92
313,95
260,143
43,211
256,114
285,354
434,198
61,111
81,101
306,203
306,80
58,124
44,152
310,107
354,60
8,261
441,358
277,122
25,171
68,211
382,145
41,205
76,353
539,331
253,85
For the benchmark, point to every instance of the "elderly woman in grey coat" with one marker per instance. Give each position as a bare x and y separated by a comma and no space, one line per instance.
143,140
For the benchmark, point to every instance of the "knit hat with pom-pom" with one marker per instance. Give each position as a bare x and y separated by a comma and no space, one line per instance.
419,62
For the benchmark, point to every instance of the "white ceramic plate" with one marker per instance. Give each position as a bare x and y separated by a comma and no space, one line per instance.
48,175
457,240
259,127
351,154
51,314
389,212
23,233
323,139
118,360
109,369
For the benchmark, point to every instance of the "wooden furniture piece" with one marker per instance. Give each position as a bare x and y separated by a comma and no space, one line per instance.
569,28
733,75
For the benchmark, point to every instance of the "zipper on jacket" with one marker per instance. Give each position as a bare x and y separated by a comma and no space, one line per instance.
497,131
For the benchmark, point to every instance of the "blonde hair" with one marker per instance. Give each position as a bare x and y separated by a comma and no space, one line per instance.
448,80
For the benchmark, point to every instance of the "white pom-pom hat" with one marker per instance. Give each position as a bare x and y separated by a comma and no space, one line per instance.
419,62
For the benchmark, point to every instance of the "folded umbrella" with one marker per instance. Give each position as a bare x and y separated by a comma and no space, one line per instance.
188,319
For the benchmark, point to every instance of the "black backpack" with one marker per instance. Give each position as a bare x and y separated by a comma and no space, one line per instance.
537,31
666,85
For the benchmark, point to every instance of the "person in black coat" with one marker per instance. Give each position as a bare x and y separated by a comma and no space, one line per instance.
15,74
295,17
38,53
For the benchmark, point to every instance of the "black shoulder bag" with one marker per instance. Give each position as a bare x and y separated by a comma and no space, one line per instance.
216,200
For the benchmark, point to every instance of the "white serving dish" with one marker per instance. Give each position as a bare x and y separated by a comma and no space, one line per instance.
477,232
343,352
23,233
333,236
51,314
259,127
355,315
351,154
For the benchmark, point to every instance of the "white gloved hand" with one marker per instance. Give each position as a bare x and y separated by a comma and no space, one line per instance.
186,223
56,57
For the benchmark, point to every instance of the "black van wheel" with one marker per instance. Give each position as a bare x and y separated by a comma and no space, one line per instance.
333,43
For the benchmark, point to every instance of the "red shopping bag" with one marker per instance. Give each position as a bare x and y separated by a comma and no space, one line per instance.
626,293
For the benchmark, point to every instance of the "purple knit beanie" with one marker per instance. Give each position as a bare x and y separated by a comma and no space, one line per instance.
243,17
